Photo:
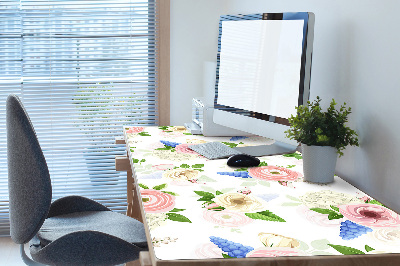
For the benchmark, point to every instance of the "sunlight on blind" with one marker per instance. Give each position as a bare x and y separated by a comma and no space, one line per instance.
82,69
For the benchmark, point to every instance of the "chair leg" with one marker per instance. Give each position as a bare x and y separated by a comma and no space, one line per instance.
26,259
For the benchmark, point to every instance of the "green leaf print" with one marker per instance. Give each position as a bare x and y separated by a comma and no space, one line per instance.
218,193
320,244
265,215
293,198
205,199
291,203
159,187
295,155
241,169
204,194
144,134
346,250
177,210
335,208
332,215
230,144
178,218
184,166
263,164
368,248
226,256
163,127
143,186
199,165
169,192
376,202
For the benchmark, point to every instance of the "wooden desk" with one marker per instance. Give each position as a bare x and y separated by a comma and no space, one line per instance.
268,213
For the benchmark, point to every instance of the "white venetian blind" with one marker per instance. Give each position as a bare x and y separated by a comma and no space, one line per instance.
82,69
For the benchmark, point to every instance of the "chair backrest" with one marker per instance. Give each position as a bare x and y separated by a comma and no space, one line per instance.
29,183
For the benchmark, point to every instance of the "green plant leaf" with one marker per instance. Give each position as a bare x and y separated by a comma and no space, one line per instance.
368,248
177,210
265,215
159,187
178,217
143,186
346,250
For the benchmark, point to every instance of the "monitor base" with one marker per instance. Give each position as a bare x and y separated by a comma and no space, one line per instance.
265,150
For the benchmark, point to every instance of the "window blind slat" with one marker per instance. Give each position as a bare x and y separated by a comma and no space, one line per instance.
83,69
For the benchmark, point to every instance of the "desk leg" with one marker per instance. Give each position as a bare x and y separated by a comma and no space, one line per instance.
133,198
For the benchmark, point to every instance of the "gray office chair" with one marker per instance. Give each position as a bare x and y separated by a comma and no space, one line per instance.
70,231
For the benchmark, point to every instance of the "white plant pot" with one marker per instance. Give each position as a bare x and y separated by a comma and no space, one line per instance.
319,163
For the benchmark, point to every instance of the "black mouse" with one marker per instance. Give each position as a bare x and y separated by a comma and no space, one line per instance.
243,160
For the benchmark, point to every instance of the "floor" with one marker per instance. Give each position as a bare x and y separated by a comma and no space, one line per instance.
9,253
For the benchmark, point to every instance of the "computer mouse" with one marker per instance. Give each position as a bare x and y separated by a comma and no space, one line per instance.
243,160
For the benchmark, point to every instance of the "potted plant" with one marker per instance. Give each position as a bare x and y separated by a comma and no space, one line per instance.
323,136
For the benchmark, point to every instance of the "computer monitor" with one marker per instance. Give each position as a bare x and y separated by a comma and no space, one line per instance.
263,73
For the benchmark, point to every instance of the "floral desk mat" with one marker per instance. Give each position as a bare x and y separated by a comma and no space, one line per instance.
198,208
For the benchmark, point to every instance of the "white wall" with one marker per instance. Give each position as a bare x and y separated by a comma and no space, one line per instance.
194,41
356,60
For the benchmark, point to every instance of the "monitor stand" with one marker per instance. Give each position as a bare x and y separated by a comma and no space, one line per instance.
264,150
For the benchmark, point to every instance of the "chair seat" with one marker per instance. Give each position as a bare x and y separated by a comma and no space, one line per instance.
107,222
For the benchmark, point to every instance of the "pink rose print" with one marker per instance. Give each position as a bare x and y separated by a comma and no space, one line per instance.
226,218
155,201
273,173
135,130
183,148
275,252
370,215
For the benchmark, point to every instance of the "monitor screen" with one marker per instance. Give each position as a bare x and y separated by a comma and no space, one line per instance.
260,63
263,71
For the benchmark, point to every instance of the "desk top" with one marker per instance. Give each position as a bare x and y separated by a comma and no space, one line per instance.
198,208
